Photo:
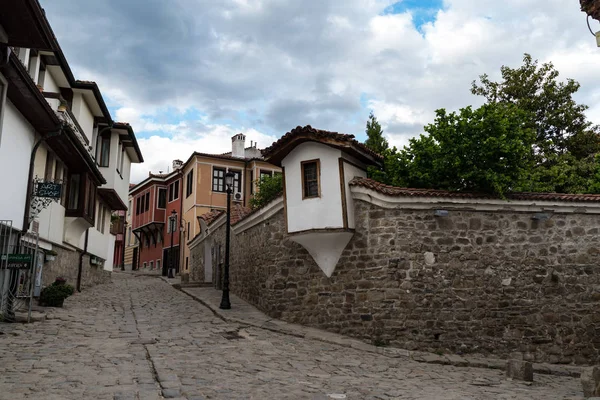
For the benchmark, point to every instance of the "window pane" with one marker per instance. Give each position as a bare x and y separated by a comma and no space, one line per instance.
105,152
310,177
74,192
162,198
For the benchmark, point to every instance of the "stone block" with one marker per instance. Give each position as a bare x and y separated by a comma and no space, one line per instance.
590,382
519,370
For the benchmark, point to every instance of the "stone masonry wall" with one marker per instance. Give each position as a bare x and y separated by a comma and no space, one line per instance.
66,265
472,282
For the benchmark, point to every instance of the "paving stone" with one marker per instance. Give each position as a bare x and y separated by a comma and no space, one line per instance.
103,354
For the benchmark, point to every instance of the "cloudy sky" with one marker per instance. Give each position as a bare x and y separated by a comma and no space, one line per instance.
188,74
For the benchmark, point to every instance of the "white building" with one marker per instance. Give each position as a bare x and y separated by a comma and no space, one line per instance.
55,129
317,168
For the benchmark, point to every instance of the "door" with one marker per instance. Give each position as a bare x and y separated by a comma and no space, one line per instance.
134,263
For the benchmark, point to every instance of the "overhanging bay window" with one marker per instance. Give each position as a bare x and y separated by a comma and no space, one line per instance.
81,198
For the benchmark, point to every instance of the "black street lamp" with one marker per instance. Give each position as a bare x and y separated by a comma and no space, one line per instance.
172,225
225,303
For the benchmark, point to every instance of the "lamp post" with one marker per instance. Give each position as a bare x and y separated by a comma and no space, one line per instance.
225,304
172,225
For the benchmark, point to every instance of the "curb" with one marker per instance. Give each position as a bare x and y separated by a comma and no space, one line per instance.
455,360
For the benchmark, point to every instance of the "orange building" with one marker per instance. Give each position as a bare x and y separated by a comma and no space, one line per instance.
203,182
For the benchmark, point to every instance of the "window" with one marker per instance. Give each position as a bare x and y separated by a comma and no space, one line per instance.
104,149
90,204
174,191
188,231
138,205
49,172
147,201
237,176
189,183
265,173
103,219
65,176
122,158
128,240
162,198
144,265
129,208
151,264
310,179
187,259
99,218
74,186
251,181
218,184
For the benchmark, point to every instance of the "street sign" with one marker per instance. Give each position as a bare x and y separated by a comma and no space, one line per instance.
17,261
48,189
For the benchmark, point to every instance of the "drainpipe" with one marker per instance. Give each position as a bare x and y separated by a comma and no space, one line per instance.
83,253
30,176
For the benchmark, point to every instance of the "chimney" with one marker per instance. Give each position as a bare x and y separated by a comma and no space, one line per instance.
238,143
177,164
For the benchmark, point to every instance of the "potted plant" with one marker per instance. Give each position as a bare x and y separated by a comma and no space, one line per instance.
50,255
55,294
63,104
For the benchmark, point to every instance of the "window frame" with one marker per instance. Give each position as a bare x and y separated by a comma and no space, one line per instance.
173,194
237,177
189,182
147,201
165,191
103,139
219,179
303,164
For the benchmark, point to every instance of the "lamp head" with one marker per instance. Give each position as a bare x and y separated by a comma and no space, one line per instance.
229,179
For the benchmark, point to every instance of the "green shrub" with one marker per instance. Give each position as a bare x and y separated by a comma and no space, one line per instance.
269,188
54,295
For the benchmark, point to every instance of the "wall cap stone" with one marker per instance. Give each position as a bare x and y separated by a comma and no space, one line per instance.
259,216
425,203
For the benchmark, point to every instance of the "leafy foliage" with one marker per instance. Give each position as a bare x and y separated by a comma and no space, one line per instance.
483,150
269,188
531,135
55,294
566,142
375,140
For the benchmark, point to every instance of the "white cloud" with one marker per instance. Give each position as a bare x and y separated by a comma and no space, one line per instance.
282,63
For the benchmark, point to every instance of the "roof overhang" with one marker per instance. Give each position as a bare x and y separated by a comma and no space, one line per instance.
127,137
347,146
26,97
112,199
25,24
72,151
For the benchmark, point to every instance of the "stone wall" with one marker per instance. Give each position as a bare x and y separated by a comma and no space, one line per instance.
472,282
66,265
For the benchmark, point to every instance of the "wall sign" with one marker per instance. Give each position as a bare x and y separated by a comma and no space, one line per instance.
48,189
17,261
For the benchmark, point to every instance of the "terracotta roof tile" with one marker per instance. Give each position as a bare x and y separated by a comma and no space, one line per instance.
317,135
211,216
408,192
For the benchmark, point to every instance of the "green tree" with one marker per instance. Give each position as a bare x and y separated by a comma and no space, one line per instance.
566,142
484,150
375,140
268,188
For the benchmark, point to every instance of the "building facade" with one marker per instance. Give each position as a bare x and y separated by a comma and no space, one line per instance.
204,181
155,201
67,161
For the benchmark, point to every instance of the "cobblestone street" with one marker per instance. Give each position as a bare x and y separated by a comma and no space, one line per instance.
138,338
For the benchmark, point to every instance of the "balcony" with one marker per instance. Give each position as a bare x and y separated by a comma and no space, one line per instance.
67,117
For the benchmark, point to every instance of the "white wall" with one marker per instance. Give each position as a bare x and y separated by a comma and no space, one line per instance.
49,83
84,116
120,183
108,264
350,172
52,220
15,149
315,213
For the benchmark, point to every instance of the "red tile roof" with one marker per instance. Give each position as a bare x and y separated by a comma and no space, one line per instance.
408,192
238,212
287,142
211,216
